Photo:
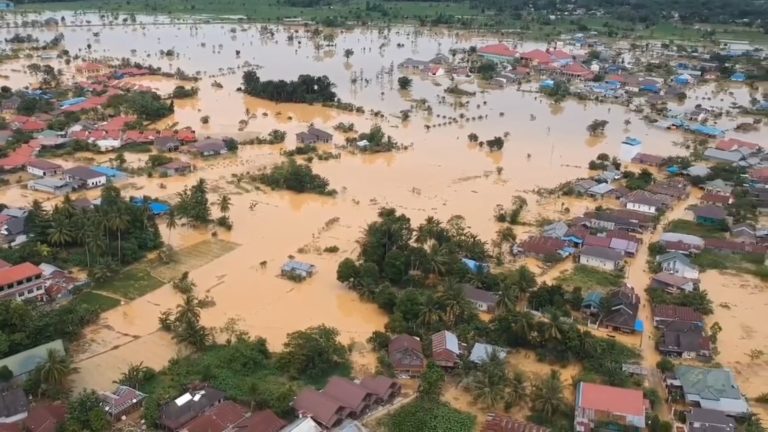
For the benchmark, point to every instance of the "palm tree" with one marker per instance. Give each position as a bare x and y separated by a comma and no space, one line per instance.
119,221
194,334
61,232
171,223
135,376
547,395
454,304
429,315
188,310
55,370
437,258
517,390
486,389
510,295
224,203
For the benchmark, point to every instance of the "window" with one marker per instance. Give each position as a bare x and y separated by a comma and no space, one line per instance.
30,291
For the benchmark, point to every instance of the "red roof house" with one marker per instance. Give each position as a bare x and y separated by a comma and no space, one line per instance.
732,144
536,57
499,50
406,355
596,402
559,54
576,70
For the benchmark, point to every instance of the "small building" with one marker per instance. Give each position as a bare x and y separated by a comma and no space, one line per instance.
714,389
122,401
176,167
624,306
499,52
482,352
355,398
298,269
41,417
600,190
323,409
707,420
678,264
672,283
229,416
82,176
484,301
208,147
597,402
303,424
665,314
50,185
720,156
43,168
582,186
684,340
718,200
643,202
648,159
384,389
475,266
446,349
185,408
167,144
543,247
683,243
601,257
591,303
406,355
23,363
314,135
22,281
710,215
734,247
14,405
744,233
556,230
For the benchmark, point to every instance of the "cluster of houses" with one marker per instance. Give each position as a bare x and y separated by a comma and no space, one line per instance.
408,359
26,281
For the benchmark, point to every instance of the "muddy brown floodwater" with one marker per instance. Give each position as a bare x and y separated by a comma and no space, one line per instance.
441,175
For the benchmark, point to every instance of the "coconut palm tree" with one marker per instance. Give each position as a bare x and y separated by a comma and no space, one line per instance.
517,390
135,376
224,203
547,395
54,371
170,222
61,231
429,315
194,334
188,310
454,304
508,298
119,221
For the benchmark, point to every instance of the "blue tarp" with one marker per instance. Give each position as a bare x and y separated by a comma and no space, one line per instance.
639,326
650,88
107,171
682,80
707,130
72,102
673,169
475,267
157,208
738,76
547,84
573,239
631,141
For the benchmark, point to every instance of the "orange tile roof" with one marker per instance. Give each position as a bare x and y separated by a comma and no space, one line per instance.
18,273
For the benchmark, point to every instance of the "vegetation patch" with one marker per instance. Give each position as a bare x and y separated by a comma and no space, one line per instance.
429,416
590,278
292,176
130,283
742,263
98,302
193,257
684,226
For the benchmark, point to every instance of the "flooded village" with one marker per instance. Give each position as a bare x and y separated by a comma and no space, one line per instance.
235,226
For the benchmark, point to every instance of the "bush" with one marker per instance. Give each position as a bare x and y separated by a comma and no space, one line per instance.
290,175
665,365
331,249
427,416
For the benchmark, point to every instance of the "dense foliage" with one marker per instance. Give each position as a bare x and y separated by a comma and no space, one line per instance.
85,413
313,353
306,88
698,300
192,203
147,106
426,415
378,141
293,176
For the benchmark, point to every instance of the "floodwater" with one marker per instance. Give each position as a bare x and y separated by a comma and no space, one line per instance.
440,175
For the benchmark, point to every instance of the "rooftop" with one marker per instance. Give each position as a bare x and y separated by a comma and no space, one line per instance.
18,273
710,384
610,399
602,253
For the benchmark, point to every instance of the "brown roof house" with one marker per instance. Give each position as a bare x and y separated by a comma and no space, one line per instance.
673,283
684,340
502,423
188,406
484,301
624,307
665,314
320,407
596,403
229,416
542,247
406,355
41,417
356,399
167,144
43,168
314,135
383,388
446,349
122,401
176,167
208,147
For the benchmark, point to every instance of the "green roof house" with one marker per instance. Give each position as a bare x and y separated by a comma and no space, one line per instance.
23,363
714,389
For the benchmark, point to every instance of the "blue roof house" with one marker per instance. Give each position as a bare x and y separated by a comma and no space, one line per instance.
297,270
631,141
709,131
739,77
650,88
683,79
591,302
547,85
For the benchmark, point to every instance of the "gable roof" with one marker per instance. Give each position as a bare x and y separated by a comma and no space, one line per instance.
625,305
602,253
537,55
499,50
43,164
676,256
261,421
349,394
176,413
610,399
710,417
319,406
502,423
481,352
679,313
684,337
13,401
25,361
83,173
541,245
479,295
671,279
709,211
709,384
445,340
121,399
378,385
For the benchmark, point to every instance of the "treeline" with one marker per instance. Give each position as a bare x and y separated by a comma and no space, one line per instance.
305,89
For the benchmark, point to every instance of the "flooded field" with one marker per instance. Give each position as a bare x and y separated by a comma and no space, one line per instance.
440,175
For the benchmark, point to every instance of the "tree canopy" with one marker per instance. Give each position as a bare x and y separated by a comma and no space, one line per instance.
305,89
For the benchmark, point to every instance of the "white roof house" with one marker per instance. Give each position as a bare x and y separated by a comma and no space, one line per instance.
481,352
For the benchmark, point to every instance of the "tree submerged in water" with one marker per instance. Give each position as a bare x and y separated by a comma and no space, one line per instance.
306,88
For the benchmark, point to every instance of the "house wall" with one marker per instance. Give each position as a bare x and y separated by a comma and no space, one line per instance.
592,416
597,262
96,182
677,268
42,173
641,207
17,417
24,291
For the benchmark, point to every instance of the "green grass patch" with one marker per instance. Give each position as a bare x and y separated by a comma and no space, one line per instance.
193,257
747,263
131,283
425,416
590,278
99,301
684,226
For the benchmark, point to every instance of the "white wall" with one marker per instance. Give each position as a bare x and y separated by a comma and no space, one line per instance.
641,207
98,181
596,262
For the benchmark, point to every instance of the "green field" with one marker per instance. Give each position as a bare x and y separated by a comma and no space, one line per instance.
99,301
193,257
590,279
684,226
130,283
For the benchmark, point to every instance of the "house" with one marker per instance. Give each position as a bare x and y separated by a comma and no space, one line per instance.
720,156
599,190
41,417
43,168
759,175
314,135
733,144
322,408
50,185
502,423
555,230
683,243
718,186
624,306
619,219
648,159
208,147
413,64
672,283
684,340
22,281
167,144
542,247
498,52
176,167
676,187
14,405
707,420
714,389
719,200
744,233
122,401
475,266
436,70
175,414
384,389
302,424
596,403
482,352
591,303
298,269
355,398
406,355
678,264
21,364
229,416
536,57
445,349
91,69
484,301
643,201
601,257
709,215
82,176
697,171
627,247
582,186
